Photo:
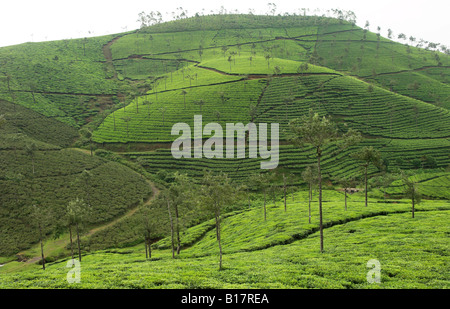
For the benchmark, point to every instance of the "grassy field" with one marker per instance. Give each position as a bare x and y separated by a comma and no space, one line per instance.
281,252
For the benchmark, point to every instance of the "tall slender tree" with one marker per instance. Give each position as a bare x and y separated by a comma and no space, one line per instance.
39,218
318,132
346,183
412,191
216,192
368,155
309,176
183,93
262,182
75,212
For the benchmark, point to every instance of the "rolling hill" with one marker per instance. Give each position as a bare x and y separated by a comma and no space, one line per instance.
104,107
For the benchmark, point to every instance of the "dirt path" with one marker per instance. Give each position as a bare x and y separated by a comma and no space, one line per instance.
155,192
108,55
62,242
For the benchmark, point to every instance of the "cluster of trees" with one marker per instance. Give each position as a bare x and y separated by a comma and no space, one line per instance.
75,215
156,17
206,198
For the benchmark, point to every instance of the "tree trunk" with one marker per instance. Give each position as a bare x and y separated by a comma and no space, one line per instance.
71,242
171,229
412,199
177,230
319,175
146,244
365,181
149,248
218,238
345,194
79,243
309,201
42,246
284,183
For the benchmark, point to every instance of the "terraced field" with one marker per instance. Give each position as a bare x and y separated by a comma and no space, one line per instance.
275,75
105,107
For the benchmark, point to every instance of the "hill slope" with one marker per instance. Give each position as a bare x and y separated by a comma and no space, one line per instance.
131,88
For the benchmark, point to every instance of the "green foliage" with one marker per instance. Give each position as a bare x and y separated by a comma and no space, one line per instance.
114,189
131,88
286,258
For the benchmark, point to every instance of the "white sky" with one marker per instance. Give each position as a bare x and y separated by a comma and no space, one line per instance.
41,20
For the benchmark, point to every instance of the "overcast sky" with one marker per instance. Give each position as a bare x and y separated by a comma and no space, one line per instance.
42,20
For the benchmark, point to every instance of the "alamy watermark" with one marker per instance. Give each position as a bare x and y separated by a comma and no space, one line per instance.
374,274
235,141
74,274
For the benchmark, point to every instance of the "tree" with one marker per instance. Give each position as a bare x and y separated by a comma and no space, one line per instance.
390,32
272,8
223,97
183,93
253,112
39,218
262,182
412,192
151,225
86,133
75,212
216,192
148,103
224,50
200,51
346,183
302,68
268,56
277,70
165,196
318,132
126,120
200,103
383,181
310,177
368,155
85,180
178,196
286,179
229,61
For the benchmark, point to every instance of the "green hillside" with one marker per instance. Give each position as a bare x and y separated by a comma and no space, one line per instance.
92,118
395,93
